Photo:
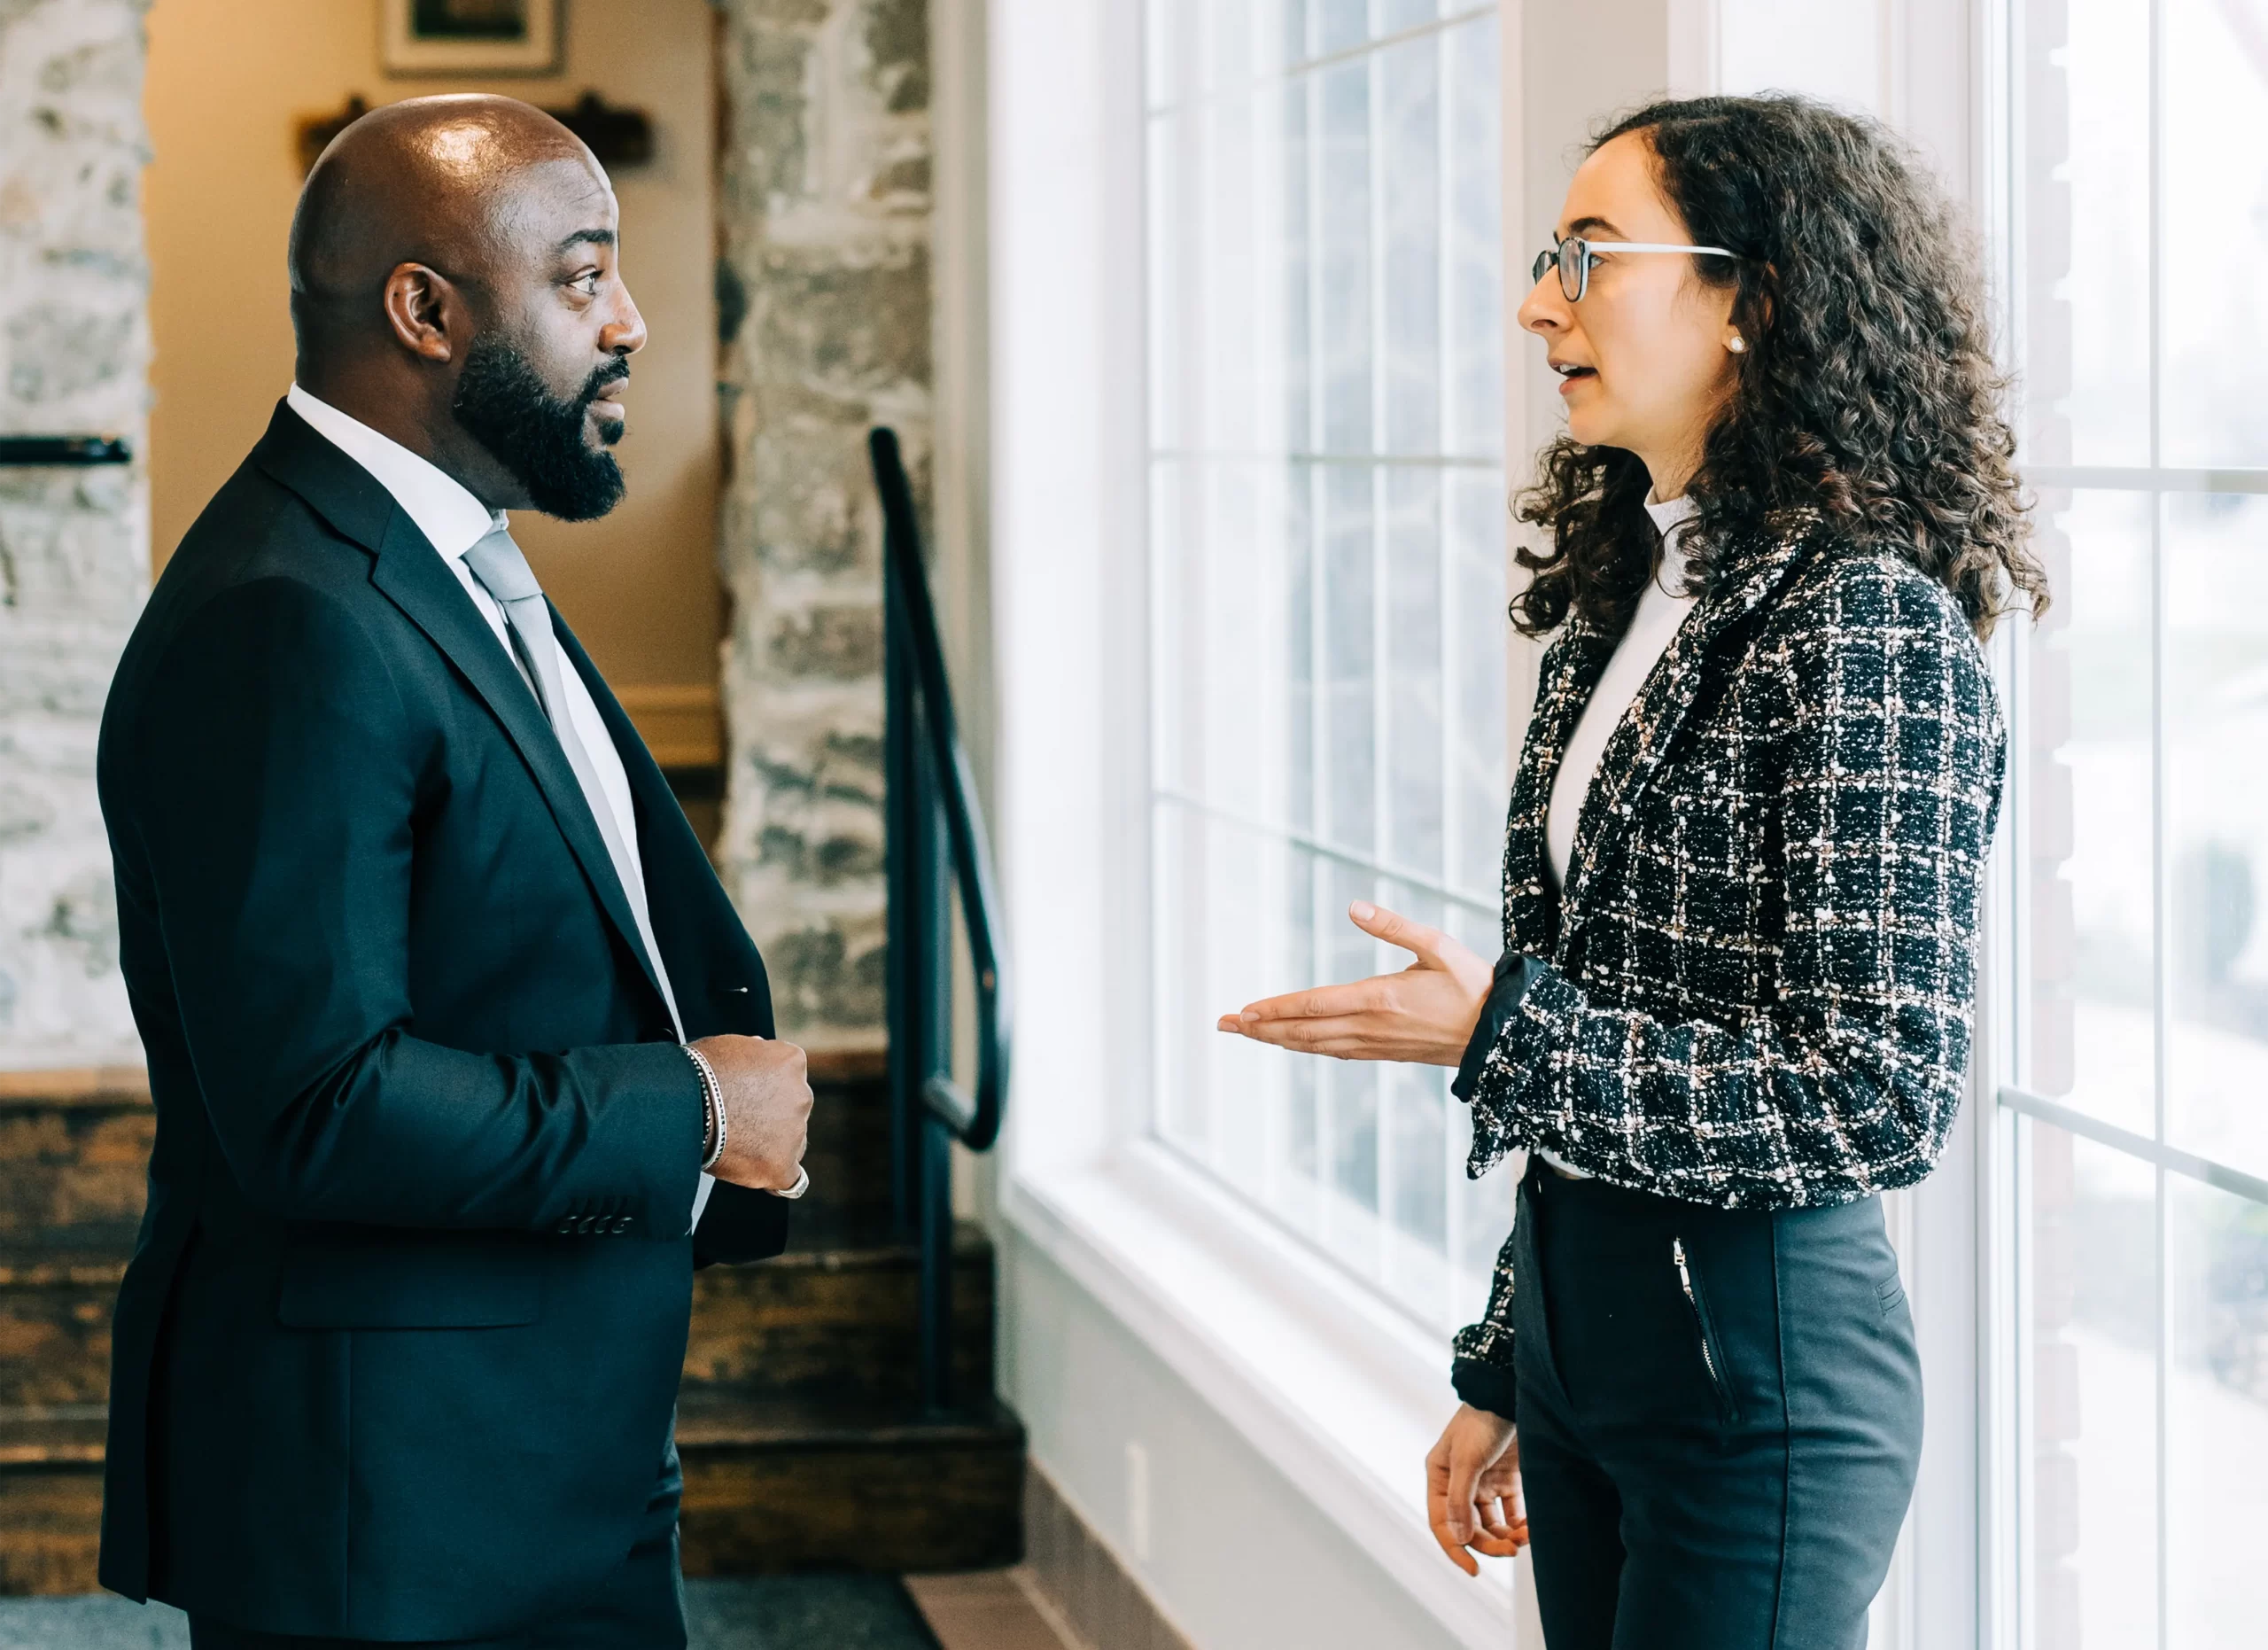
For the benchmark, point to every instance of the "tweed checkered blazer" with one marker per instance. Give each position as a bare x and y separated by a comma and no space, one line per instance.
1757,988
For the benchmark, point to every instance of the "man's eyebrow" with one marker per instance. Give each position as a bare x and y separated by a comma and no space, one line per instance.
594,238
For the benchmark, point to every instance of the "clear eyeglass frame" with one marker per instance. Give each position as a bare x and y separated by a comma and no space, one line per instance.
1575,255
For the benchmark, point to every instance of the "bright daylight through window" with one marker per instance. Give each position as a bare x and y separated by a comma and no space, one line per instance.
2138,1218
1327,529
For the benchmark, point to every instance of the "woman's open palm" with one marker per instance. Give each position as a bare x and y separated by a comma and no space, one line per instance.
1424,1014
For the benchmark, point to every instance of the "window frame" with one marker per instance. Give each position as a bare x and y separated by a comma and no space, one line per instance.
2008,1614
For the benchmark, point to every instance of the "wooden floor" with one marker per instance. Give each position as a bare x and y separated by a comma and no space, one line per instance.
987,1610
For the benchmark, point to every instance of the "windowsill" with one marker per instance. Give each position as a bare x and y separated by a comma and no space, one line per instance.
1336,1391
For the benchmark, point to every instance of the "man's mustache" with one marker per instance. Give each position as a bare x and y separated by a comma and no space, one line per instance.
613,372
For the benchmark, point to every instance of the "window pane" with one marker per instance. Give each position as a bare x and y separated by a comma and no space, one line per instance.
2090,1281
1339,24
2094,903
1327,591
2084,206
1343,217
2216,1419
1475,250
1415,792
2216,171
2217,797
1410,294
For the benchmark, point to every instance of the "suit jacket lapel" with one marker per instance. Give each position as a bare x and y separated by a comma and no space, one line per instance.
412,575
1634,753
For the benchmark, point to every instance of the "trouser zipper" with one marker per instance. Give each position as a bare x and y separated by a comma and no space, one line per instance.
1700,1326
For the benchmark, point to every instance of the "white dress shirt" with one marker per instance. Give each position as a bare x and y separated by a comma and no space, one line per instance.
1652,628
453,522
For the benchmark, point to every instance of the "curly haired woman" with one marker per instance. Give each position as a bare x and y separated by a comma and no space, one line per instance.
1747,848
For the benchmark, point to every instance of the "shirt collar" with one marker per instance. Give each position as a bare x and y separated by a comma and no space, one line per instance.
449,517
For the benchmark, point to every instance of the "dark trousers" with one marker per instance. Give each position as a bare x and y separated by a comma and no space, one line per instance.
1720,1418
640,1606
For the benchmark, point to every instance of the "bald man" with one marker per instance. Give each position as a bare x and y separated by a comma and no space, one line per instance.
446,1012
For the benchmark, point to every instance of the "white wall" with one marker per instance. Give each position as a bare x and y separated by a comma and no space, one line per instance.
1240,1556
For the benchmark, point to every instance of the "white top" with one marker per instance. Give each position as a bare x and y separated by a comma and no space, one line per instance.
1659,614
453,522
1652,630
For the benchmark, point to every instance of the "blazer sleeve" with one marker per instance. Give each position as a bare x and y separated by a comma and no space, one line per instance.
275,801
1848,1083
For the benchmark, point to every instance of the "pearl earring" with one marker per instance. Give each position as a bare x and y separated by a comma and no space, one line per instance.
1737,343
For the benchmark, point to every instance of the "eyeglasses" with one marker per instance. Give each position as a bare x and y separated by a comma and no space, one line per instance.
1575,256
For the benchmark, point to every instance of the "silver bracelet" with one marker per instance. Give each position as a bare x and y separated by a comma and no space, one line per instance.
712,1101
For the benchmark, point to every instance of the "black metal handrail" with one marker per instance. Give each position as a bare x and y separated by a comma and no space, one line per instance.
937,843
66,451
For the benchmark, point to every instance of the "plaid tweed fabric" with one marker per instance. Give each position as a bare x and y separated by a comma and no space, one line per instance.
1757,989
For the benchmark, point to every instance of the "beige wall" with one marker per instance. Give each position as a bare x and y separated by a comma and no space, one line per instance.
228,83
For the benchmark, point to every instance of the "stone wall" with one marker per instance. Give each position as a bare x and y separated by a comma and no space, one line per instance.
825,307
74,544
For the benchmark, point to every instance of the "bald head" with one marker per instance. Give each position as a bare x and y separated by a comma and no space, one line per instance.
433,181
456,286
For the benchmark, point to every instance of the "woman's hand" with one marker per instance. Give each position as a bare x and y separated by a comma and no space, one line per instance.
1473,1488
1423,1015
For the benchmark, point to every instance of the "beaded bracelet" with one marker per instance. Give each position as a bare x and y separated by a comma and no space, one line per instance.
712,1101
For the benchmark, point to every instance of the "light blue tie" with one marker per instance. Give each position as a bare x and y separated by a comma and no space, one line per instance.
496,562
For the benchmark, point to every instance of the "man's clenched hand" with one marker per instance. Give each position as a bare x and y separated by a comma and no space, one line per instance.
767,1099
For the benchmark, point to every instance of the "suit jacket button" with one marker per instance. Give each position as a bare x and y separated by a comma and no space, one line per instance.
567,1228
622,1223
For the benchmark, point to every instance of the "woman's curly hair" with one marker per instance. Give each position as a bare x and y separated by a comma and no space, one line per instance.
1868,392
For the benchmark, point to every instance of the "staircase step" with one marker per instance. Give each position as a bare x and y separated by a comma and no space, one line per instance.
810,1324
55,1313
773,1485
835,1323
848,1153
50,1500
75,1153
770,1485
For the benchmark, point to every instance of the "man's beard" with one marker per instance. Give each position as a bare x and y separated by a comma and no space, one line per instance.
505,406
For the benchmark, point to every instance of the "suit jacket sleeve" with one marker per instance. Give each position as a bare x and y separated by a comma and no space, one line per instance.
276,792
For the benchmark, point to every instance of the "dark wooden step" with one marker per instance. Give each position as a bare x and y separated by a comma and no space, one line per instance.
75,1153
74,1156
770,1485
835,1322
786,1486
848,1155
55,1314
50,1501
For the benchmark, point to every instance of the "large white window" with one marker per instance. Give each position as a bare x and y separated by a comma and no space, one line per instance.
1327,533
2134,1109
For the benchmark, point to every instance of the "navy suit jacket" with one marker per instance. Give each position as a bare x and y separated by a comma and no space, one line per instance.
397,1352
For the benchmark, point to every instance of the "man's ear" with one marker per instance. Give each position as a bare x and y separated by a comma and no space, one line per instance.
423,306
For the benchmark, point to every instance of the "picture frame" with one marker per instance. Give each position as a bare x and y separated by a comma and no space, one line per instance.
426,38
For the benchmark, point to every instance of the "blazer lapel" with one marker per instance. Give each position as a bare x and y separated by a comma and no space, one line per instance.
1571,667
411,573
1634,755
